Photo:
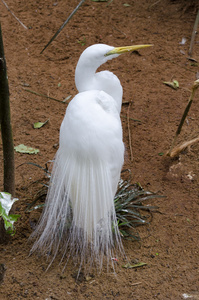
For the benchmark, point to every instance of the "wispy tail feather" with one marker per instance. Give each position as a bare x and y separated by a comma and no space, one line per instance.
79,214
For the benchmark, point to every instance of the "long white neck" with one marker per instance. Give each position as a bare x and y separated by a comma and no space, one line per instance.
87,79
84,75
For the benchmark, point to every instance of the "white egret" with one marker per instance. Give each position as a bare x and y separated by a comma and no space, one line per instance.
79,215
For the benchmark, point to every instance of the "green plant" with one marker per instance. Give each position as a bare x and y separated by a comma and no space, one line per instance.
129,205
6,203
82,41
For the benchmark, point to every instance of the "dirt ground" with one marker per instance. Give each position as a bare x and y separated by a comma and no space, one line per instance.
169,244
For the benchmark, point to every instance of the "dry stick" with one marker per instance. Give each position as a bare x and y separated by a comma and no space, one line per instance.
119,30
129,131
63,25
136,120
193,34
24,26
183,146
193,90
136,283
154,3
42,95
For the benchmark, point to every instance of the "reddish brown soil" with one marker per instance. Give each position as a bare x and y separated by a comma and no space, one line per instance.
169,245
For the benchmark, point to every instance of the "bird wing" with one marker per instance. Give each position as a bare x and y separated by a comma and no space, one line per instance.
92,132
92,126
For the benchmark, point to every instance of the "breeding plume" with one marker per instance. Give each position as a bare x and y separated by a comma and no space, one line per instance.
79,216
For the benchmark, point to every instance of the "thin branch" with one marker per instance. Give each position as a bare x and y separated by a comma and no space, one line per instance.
45,96
136,283
136,120
63,25
24,26
118,30
176,151
109,2
187,108
154,3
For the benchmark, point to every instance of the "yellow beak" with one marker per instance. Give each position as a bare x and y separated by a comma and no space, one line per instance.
120,50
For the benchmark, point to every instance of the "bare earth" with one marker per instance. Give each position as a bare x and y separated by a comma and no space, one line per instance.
169,245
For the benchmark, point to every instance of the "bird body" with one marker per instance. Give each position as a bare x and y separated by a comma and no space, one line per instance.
79,215
93,117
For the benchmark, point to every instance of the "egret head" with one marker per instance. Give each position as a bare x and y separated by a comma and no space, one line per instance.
100,53
91,59
96,54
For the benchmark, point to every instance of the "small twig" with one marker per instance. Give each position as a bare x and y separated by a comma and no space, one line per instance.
175,152
109,3
131,119
42,95
119,30
24,26
154,3
36,165
136,283
193,90
193,34
129,131
63,25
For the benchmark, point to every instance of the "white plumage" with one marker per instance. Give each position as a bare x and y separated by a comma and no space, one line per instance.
79,216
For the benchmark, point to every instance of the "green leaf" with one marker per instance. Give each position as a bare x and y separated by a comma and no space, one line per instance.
138,265
38,125
13,218
7,224
174,84
126,5
6,202
25,149
161,153
83,41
